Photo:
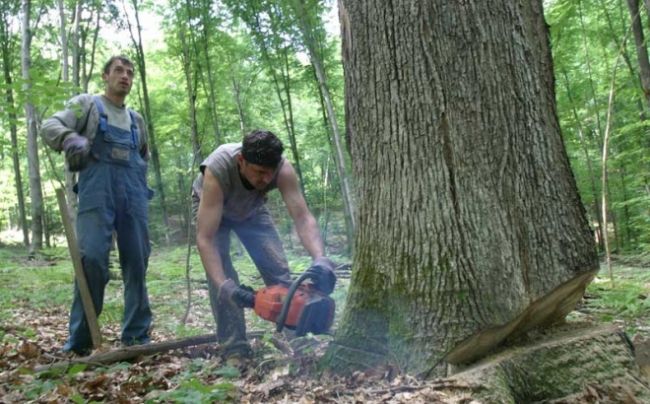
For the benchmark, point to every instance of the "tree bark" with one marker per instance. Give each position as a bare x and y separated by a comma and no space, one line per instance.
35,190
471,229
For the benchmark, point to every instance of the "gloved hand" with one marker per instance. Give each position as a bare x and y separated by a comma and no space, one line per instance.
230,293
322,274
77,150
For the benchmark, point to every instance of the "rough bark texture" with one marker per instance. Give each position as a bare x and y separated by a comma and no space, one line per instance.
468,211
558,368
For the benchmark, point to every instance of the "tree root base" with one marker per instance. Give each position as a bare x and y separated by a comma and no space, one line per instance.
562,367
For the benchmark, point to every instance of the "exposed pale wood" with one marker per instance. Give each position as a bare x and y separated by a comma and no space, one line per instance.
558,366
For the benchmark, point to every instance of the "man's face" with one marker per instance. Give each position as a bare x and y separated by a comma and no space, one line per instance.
119,78
258,176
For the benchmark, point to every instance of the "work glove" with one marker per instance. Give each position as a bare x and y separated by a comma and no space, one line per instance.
322,274
230,293
77,151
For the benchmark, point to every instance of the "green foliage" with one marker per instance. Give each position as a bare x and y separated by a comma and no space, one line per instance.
628,299
587,38
194,391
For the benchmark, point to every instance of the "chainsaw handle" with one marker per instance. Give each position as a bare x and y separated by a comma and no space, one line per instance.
287,301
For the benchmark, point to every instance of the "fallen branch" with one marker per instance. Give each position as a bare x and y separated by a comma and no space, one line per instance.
135,351
130,352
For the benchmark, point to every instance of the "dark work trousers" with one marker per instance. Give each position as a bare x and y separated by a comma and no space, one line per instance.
113,195
260,238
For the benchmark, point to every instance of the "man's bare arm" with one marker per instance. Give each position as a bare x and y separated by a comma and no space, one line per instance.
207,224
306,224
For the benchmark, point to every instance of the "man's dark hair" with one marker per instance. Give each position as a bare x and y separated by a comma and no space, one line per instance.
121,58
263,148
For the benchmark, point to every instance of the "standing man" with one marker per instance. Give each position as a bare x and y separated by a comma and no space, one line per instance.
107,144
230,194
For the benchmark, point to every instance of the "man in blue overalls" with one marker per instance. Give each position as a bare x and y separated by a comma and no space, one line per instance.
107,144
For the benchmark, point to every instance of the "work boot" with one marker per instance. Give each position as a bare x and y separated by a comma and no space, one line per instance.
238,350
74,353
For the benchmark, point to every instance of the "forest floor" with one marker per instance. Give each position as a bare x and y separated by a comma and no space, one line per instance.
34,301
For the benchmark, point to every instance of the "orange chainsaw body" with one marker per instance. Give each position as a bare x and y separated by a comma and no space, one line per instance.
309,311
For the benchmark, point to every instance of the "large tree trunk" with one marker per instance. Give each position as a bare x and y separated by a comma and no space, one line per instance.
470,229
35,191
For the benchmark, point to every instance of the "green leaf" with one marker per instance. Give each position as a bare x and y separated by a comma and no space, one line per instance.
229,372
77,368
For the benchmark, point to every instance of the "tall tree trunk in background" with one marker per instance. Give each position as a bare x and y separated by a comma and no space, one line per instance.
288,117
641,48
205,41
186,59
615,37
155,157
35,190
88,65
604,177
590,170
285,104
236,91
64,41
307,31
592,85
75,45
628,238
13,130
470,228
70,177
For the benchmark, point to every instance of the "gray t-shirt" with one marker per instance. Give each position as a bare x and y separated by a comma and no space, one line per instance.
239,203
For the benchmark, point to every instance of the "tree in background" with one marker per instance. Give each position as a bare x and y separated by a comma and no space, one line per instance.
8,8
31,117
135,31
470,225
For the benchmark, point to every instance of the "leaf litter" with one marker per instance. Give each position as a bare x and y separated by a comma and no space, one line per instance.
34,336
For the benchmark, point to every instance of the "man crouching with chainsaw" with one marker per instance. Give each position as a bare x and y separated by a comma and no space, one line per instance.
230,194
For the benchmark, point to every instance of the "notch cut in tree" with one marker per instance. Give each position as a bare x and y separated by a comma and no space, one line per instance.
471,230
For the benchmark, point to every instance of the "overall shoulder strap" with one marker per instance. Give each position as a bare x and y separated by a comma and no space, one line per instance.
134,128
103,118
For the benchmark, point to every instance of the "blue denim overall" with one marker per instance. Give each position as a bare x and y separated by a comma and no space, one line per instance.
113,195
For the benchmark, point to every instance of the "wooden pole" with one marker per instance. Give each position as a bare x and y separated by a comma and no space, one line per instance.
75,255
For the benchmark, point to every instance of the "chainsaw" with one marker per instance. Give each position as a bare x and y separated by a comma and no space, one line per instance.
303,307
